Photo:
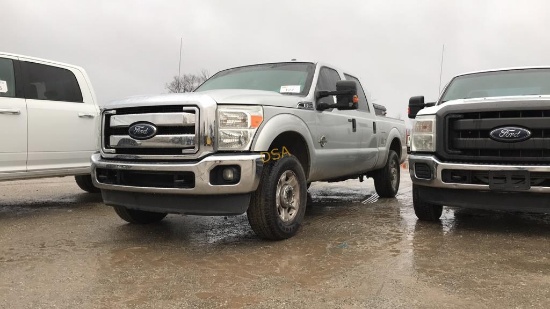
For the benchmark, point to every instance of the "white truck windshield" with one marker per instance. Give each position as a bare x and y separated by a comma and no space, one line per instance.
498,84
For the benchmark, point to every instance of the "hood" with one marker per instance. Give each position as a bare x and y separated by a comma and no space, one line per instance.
226,96
491,103
253,97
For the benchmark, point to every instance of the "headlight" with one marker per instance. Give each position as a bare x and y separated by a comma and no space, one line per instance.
237,126
423,134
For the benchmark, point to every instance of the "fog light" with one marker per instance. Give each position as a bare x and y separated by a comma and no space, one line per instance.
228,174
225,175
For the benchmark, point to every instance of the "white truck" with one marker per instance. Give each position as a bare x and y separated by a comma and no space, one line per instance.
484,144
49,120
249,139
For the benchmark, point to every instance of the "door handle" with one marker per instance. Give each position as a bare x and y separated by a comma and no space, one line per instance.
84,115
353,124
8,111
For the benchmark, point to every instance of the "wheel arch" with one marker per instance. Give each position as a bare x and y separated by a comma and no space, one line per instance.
289,131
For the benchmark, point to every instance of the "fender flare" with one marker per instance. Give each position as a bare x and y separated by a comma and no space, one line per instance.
279,124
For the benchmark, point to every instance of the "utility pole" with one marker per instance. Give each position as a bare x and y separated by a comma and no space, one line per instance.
179,66
441,70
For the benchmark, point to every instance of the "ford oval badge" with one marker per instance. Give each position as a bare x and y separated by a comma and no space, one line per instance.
142,130
510,134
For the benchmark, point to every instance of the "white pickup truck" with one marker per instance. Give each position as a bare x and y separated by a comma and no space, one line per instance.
48,118
250,139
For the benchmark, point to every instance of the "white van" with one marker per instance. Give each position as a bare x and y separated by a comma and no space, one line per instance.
49,120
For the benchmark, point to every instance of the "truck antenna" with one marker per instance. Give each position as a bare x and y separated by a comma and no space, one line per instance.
441,70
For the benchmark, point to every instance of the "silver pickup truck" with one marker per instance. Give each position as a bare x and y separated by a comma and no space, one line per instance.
484,144
250,139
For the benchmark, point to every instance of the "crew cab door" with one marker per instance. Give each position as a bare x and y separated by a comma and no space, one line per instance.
62,119
13,119
335,133
366,129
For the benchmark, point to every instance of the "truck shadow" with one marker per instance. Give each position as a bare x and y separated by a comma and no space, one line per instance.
501,222
29,206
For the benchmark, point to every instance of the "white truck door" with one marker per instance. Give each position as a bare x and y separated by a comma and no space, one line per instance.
335,140
367,153
62,117
13,120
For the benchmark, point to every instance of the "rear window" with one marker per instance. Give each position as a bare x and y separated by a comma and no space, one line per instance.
44,82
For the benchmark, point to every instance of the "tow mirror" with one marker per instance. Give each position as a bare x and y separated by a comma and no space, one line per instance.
415,105
346,96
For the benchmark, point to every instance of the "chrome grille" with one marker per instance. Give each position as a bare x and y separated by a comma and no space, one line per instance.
177,131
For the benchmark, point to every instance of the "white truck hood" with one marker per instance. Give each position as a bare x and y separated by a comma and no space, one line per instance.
434,109
228,96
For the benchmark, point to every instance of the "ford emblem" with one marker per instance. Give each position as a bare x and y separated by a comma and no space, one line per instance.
510,134
142,130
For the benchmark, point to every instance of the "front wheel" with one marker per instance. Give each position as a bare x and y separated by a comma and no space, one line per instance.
425,211
386,179
85,183
138,216
278,206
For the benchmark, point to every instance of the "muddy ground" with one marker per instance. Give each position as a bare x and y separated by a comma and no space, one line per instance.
62,248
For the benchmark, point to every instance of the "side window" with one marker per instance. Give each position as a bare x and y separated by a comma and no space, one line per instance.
327,81
363,103
7,78
44,82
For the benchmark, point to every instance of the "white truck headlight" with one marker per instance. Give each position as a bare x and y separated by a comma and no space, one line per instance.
237,126
423,134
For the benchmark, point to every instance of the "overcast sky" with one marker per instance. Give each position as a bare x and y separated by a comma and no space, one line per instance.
394,47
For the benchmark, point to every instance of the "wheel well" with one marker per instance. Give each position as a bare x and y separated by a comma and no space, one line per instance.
296,145
396,146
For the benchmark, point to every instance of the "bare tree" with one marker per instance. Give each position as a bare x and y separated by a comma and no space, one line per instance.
187,82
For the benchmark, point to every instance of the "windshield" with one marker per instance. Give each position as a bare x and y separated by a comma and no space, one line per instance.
286,78
499,84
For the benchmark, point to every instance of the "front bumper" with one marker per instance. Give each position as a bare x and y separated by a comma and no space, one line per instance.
436,168
203,198
432,187
251,166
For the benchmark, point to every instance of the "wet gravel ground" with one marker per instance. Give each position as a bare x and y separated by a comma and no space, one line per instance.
62,248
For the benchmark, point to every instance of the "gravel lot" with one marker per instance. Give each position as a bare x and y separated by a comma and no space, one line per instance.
62,248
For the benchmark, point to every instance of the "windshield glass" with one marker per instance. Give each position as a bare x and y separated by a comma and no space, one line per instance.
286,78
499,84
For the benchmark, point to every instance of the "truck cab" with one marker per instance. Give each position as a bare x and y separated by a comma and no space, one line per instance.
50,120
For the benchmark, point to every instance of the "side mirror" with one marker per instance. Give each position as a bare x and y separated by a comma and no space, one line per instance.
346,96
415,105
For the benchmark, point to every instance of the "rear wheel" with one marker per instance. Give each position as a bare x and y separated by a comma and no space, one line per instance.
425,211
85,183
386,179
278,206
138,216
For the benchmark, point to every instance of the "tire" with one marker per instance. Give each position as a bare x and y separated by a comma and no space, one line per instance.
278,206
85,183
138,216
386,179
425,211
